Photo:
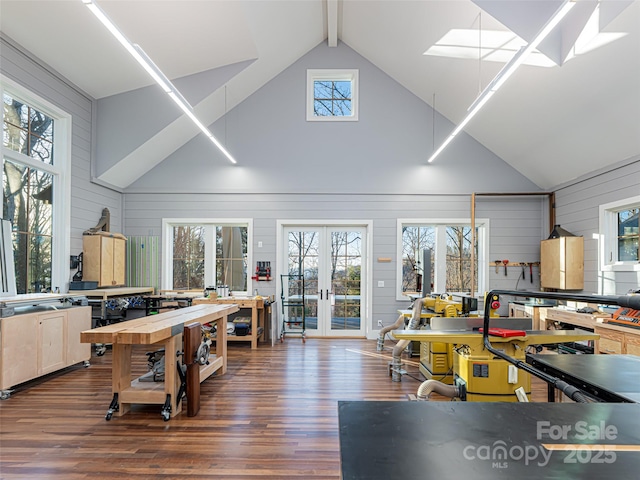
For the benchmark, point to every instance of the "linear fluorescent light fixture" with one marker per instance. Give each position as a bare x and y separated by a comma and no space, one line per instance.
152,69
510,67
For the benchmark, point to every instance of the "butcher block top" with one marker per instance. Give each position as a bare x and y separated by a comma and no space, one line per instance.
156,328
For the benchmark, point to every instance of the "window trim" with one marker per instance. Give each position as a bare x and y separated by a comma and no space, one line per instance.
61,171
209,267
608,234
482,224
333,74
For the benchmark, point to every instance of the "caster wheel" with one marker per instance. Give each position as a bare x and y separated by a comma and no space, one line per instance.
108,416
100,352
4,395
166,416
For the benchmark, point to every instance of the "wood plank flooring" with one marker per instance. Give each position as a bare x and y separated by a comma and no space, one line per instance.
273,415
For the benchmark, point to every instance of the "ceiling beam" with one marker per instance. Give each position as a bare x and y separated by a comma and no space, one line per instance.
332,23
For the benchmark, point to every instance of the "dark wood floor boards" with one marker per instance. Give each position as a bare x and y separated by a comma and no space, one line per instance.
273,415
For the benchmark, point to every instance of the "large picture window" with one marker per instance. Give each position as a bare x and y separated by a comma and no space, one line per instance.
33,188
203,253
447,244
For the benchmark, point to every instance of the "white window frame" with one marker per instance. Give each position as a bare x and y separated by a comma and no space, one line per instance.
608,233
332,74
440,252
60,170
210,225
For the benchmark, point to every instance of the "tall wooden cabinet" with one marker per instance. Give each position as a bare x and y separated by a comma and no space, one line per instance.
104,257
562,263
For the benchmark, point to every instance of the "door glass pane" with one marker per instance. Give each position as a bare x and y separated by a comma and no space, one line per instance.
303,256
346,271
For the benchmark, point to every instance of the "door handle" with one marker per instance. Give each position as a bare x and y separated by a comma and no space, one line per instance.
320,292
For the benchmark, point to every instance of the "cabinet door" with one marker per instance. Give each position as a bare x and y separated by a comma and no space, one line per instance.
78,320
18,350
119,260
562,263
52,341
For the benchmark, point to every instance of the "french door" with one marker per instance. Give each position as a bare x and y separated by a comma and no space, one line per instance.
332,261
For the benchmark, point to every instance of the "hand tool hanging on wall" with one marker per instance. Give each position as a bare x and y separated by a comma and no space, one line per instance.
498,263
505,263
531,272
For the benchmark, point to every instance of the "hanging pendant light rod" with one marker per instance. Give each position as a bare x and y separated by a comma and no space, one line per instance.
158,76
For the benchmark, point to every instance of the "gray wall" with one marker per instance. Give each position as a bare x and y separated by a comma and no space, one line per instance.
516,225
278,151
374,169
577,210
87,199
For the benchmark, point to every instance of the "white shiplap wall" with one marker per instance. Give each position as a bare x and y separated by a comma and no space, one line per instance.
577,210
515,233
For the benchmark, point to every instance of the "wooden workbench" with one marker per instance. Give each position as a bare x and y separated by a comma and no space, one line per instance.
161,331
257,315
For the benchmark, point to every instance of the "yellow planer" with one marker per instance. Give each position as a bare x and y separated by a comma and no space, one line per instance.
480,376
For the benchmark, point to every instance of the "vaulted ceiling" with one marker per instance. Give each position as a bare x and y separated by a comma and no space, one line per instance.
573,108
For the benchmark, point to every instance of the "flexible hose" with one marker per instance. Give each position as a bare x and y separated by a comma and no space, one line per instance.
396,363
427,388
399,323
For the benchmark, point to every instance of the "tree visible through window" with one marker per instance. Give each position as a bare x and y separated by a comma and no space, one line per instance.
450,257
628,235
332,98
209,255
332,95
27,192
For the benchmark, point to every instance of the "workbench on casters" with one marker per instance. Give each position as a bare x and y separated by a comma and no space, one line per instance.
162,331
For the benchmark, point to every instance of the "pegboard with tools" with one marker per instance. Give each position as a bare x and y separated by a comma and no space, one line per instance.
526,268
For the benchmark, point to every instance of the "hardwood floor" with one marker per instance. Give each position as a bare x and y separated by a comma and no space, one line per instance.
273,415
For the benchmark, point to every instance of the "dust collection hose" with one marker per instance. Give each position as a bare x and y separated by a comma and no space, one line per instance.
630,301
383,332
426,388
396,363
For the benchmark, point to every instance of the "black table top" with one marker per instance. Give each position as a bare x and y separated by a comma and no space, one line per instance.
611,378
479,440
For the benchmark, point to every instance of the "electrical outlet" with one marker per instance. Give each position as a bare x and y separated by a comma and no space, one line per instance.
380,323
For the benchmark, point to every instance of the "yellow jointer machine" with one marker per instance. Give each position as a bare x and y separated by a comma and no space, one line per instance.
489,360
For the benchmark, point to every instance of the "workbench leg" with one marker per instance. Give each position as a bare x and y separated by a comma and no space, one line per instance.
221,343
121,373
171,378
254,328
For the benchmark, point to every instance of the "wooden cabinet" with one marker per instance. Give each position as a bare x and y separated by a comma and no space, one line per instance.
35,344
104,258
562,263
615,339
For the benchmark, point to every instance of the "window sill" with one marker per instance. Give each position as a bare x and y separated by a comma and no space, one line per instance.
621,267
